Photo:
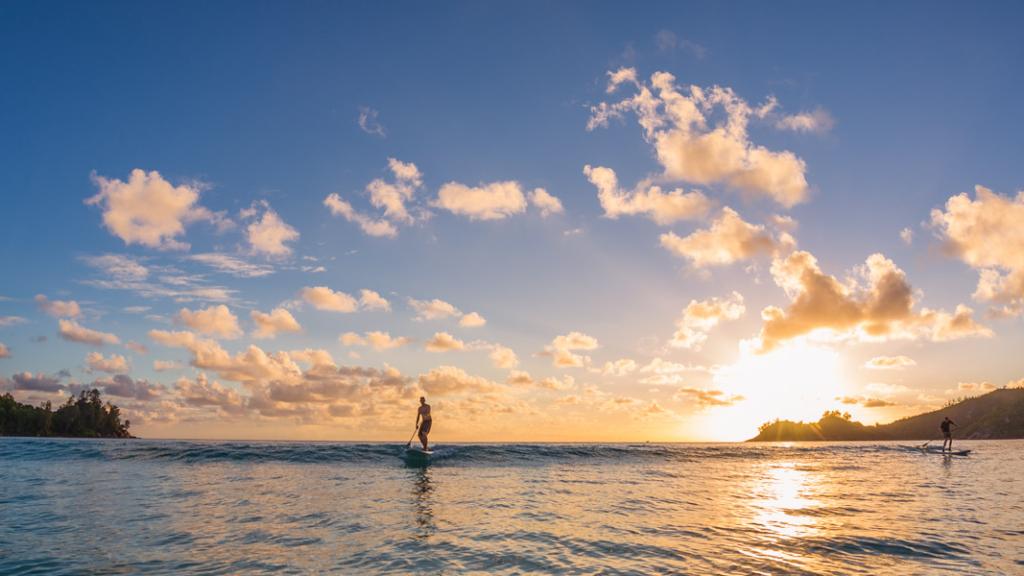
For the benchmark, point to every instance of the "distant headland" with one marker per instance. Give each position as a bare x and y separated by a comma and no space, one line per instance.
998,414
83,417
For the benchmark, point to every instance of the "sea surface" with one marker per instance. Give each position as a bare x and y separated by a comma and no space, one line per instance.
183,507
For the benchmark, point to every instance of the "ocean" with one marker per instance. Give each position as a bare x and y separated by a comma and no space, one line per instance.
72,506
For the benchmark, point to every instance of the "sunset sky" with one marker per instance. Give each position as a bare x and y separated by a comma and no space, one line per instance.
556,220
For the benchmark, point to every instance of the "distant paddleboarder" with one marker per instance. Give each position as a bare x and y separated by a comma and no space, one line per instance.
423,413
947,433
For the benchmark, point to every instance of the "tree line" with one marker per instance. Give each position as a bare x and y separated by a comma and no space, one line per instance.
85,416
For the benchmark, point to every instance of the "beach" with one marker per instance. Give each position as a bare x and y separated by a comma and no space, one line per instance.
179,507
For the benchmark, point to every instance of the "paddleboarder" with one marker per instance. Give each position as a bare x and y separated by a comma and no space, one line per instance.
947,433
423,413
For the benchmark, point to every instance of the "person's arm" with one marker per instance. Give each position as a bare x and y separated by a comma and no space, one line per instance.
418,419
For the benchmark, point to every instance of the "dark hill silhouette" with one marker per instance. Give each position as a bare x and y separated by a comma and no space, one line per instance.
998,414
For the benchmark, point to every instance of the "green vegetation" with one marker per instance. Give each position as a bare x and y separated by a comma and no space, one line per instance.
86,416
998,414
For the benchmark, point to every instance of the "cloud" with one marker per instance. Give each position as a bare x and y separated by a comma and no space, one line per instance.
165,365
707,397
907,236
620,367
433,309
701,316
369,123
667,41
232,265
214,320
661,372
11,321
563,346
975,387
728,240
370,300
323,298
444,342
645,199
472,320
126,387
38,382
339,207
115,364
268,234
519,378
136,347
546,203
200,392
866,401
149,210
377,340
251,365
58,308
876,303
692,146
5,352
503,357
73,332
493,201
449,380
889,363
818,121
120,272
269,325
986,234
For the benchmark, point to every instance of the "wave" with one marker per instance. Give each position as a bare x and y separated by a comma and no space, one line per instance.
28,449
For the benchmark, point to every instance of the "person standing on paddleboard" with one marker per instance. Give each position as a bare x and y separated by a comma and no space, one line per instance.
947,433
423,413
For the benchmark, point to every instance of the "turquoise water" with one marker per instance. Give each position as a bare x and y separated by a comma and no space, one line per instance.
169,507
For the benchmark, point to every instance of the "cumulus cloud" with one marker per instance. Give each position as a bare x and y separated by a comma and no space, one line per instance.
645,199
866,401
393,197
58,308
493,201
232,265
38,382
701,316
986,234
620,367
818,120
700,136
545,202
907,236
449,380
376,339
200,392
136,347
889,363
562,349
124,386
876,303
369,123
270,325
503,357
472,320
74,332
370,300
975,387
370,226
661,372
729,239
149,210
214,320
165,365
115,364
444,342
323,298
433,309
267,233
5,352
707,397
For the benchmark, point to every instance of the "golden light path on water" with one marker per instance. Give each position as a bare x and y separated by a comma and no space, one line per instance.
796,382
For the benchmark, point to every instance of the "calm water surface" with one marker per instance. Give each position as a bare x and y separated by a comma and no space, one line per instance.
163,507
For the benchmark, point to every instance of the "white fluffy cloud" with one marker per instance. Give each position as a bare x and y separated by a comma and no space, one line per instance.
270,325
214,320
267,233
545,202
149,210
701,316
645,198
165,365
503,357
562,349
376,339
58,308
492,201
729,239
889,363
323,298
472,320
74,332
115,364
987,234
392,196
444,342
370,300
875,303
817,120
433,309
449,380
694,145
370,226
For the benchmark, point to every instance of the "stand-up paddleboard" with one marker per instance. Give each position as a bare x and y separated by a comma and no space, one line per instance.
938,450
417,455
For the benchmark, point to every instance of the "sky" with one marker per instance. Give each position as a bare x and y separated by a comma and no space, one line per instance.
571,221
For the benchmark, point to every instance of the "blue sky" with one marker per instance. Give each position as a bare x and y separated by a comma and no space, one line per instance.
260,102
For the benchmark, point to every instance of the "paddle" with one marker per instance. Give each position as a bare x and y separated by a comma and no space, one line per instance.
925,445
409,443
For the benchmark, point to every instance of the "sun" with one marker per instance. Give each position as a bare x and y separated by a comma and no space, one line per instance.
797,381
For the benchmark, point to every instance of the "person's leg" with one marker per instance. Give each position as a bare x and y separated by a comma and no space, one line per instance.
423,439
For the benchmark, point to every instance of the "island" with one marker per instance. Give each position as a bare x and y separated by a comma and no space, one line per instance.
996,415
83,417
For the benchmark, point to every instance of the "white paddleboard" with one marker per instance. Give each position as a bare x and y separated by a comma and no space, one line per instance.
418,453
938,450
